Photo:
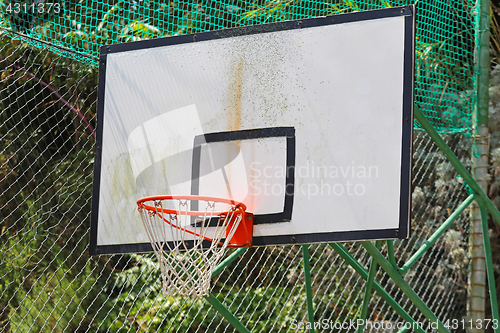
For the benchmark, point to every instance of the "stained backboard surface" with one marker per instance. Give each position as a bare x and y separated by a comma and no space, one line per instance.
309,123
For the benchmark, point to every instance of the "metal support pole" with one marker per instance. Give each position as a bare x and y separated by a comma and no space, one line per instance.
228,260
403,285
476,306
218,305
368,290
482,63
404,330
350,260
307,278
226,314
489,265
427,245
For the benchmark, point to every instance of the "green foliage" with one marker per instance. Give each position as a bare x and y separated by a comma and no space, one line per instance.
54,301
276,293
45,176
46,276
145,309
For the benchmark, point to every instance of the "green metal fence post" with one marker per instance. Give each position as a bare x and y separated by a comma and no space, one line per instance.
403,285
368,290
391,256
404,330
351,261
489,265
226,314
228,260
307,277
218,305
432,239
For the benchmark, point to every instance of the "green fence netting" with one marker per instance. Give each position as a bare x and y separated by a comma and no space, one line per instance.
446,35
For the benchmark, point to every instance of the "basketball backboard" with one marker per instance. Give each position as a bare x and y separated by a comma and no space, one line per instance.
309,123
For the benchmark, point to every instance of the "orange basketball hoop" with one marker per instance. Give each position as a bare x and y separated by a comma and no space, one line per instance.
189,242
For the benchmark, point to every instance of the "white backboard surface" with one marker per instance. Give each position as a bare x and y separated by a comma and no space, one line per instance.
307,122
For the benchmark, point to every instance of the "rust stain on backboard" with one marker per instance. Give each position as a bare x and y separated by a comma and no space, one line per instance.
234,109
235,90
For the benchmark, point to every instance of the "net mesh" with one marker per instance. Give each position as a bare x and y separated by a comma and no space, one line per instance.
445,34
193,251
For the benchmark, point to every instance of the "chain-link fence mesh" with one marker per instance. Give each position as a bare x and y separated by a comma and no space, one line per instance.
446,35
48,283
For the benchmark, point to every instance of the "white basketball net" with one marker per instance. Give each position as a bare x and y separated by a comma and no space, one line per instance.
187,248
